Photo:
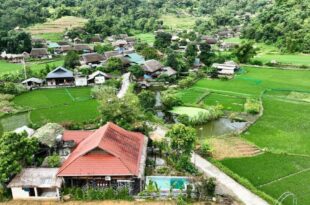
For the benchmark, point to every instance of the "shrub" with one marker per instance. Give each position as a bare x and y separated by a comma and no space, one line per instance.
186,82
184,119
205,149
53,161
252,106
90,194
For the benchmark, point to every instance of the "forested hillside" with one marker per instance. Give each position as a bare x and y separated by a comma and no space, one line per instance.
286,23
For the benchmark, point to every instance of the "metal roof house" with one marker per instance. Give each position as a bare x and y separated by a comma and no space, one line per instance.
60,77
135,58
227,68
107,157
37,184
32,82
98,77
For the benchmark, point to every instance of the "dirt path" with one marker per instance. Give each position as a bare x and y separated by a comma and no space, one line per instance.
226,184
125,85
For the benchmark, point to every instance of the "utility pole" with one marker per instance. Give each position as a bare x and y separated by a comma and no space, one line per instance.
24,65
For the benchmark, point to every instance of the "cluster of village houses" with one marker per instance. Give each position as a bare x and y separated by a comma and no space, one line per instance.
124,50
108,157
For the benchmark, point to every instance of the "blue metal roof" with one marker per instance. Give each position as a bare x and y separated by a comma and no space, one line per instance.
60,72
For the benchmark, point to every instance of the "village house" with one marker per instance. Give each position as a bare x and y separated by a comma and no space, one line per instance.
91,59
107,157
98,77
32,82
227,68
135,58
82,48
38,41
96,39
77,40
14,58
228,46
168,71
151,66
80,80
41,53
60,76
36,184
209,40
63,49
110,54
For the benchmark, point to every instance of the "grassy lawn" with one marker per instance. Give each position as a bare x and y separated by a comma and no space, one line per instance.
174,22
190,111
59,105
10,123
228,102
146,37
275,174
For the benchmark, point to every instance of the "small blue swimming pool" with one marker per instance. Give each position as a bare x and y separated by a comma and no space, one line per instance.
166,183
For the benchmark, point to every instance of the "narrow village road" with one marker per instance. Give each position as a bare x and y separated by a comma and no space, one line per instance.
225,183
125,85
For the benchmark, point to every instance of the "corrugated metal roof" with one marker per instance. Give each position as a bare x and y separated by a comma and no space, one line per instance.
60,72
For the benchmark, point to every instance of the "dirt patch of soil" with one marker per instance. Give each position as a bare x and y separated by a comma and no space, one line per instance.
232,147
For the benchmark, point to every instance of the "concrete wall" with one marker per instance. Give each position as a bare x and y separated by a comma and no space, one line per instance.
18,193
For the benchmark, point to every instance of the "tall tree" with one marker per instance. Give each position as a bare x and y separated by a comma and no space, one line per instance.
16,151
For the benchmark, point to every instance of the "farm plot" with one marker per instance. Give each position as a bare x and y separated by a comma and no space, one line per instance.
283,130
275,174
59,105
192,95
57,26
229,102
284,127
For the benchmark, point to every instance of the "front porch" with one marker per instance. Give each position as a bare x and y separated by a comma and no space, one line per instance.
134,185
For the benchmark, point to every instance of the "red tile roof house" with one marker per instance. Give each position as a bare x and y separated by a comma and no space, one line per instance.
107,157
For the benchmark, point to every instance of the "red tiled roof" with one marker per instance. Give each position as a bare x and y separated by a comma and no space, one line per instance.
109,151
76,135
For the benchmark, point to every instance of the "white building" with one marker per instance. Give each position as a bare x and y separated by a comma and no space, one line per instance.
80,80
227,68
36,184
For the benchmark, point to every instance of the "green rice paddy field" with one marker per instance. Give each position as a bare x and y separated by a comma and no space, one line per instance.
6,67
283,130
268,53
59,105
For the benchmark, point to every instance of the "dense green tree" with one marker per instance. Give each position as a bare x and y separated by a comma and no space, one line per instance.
72,60
113,64
103,48
150,53
182,144
147,99
245,51
136,70
16,151
162,40
126,112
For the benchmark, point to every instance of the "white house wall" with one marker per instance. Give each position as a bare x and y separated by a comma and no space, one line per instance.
19,193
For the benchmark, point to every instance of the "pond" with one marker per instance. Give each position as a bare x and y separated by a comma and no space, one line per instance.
12,122
219,127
